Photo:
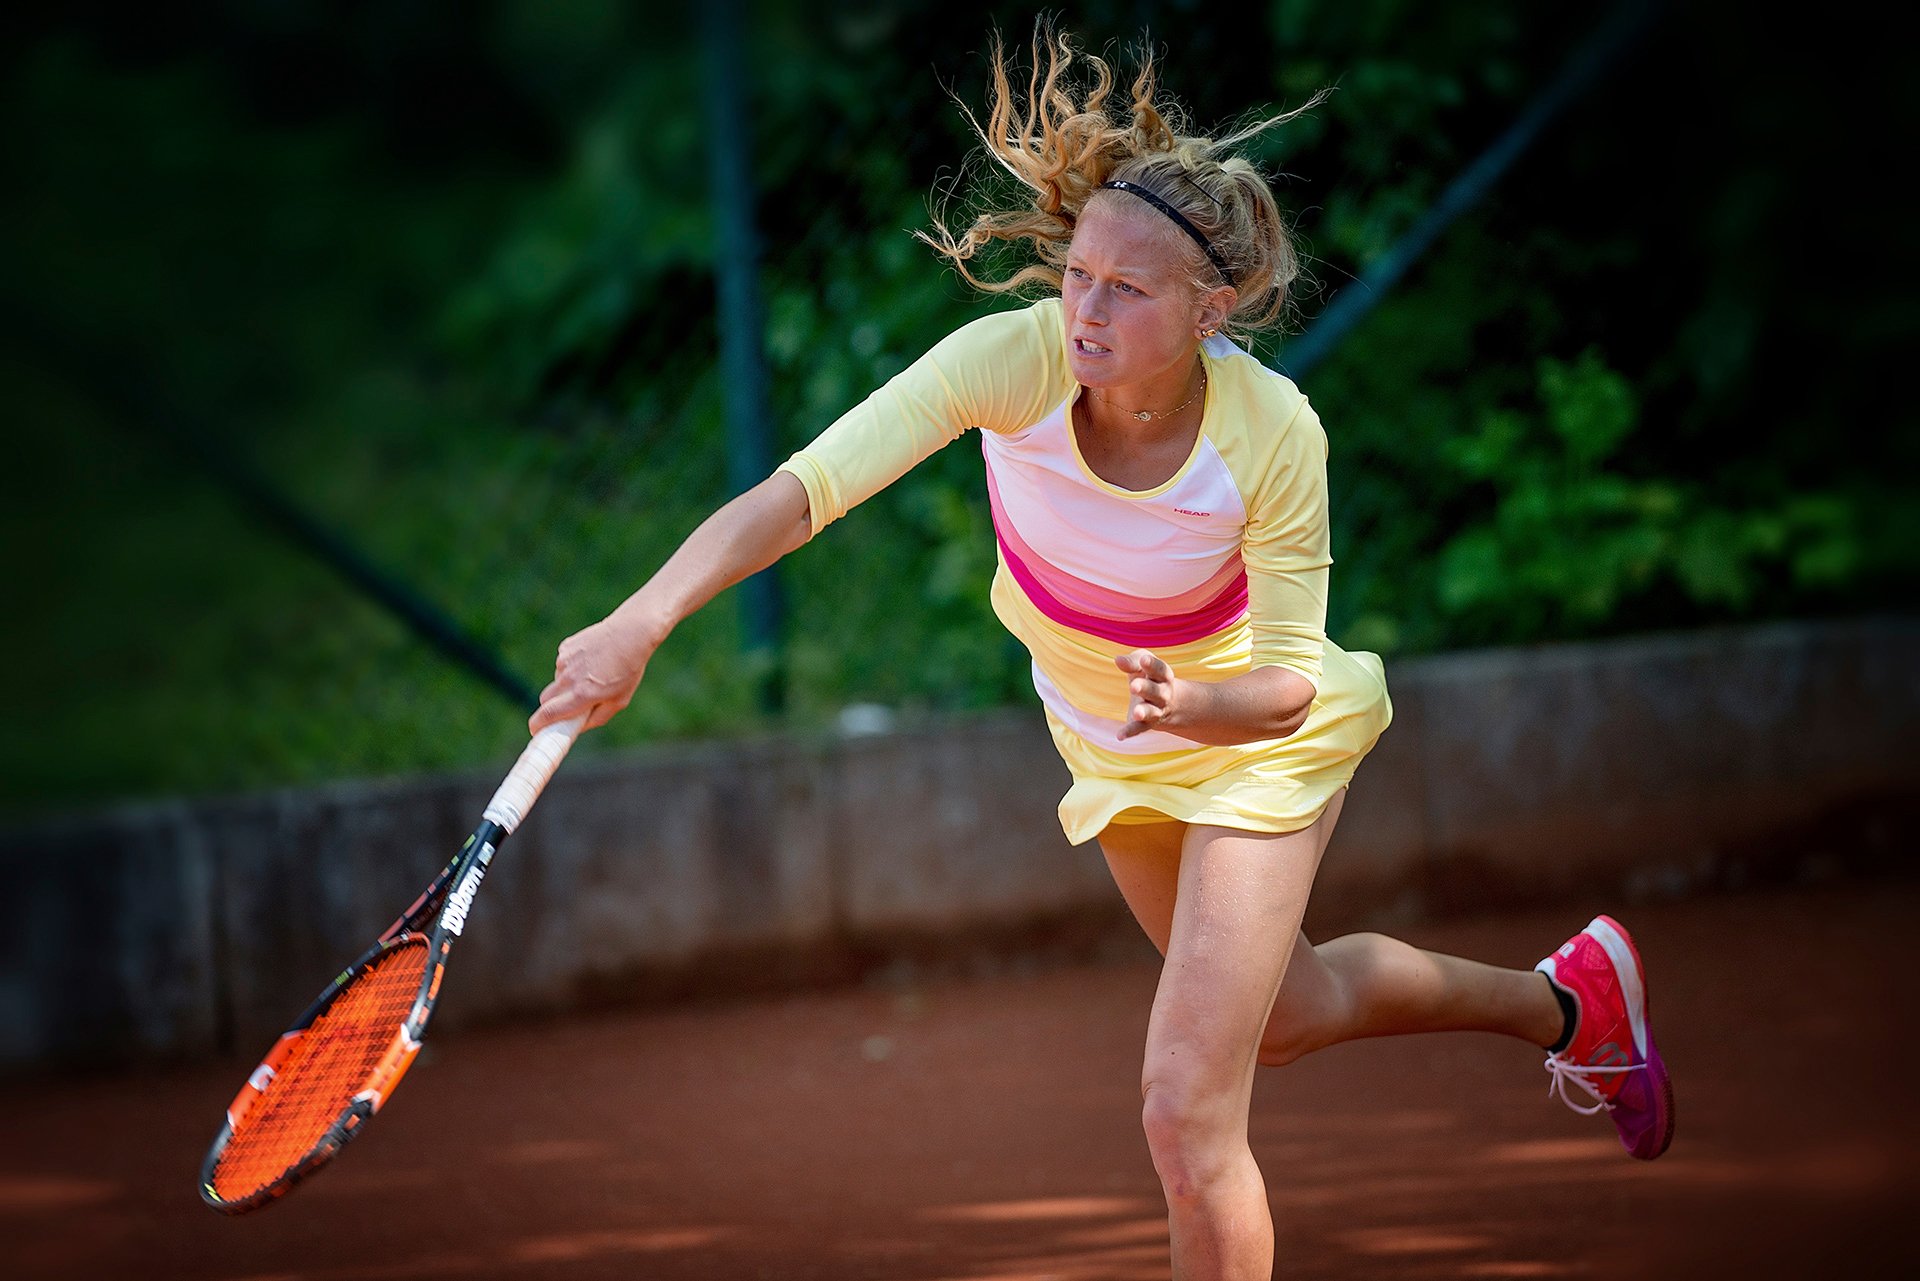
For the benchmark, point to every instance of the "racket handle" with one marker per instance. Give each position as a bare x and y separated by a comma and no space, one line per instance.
530,773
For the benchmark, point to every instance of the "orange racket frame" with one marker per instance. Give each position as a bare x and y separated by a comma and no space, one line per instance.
235,1179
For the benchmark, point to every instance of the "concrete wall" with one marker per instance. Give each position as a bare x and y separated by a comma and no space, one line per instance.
1628,768
1641,767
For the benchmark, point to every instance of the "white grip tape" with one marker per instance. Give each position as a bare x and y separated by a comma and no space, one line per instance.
530,773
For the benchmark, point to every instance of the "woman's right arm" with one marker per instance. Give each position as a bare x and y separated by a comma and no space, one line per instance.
998,372
599,668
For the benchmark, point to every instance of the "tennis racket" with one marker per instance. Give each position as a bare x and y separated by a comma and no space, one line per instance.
340,1062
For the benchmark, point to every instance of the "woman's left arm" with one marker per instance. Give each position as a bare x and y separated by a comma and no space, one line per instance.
1287,554
1267,702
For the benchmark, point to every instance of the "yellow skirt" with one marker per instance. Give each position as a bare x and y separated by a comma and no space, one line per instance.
1276,785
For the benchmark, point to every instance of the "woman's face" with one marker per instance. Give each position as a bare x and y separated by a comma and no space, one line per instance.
1129,310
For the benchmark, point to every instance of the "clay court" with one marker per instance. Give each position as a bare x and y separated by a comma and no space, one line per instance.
986,1128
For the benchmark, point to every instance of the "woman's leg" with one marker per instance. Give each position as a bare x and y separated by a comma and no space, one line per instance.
1359,985
1237,904
1363,985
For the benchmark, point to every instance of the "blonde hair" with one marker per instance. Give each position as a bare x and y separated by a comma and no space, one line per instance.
1061,140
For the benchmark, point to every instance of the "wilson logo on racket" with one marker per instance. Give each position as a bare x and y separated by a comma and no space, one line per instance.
455,915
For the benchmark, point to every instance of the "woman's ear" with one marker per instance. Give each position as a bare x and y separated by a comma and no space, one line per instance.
1215,307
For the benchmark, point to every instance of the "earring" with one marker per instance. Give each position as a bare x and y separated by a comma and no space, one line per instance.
1209,333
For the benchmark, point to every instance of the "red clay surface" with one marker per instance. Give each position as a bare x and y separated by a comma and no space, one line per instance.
988,1129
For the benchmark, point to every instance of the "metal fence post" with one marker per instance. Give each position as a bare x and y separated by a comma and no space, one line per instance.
742,317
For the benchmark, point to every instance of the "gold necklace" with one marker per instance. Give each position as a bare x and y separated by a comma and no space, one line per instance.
1148,415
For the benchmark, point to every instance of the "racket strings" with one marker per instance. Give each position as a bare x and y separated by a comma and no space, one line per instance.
321,1072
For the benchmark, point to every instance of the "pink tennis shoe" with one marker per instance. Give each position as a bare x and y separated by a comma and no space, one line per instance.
1612,1058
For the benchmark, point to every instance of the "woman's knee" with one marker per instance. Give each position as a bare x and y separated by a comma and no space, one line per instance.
1310,1013
1283,1045
1287,1040
1193,1133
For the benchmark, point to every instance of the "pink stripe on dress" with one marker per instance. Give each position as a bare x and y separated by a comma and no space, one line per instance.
1203,610
1070,601
1091,598
1218,614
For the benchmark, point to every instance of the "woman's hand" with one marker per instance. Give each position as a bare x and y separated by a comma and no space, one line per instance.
597,669
1152,692
1265,703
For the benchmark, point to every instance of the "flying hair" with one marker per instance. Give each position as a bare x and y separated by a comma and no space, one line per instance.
1065,135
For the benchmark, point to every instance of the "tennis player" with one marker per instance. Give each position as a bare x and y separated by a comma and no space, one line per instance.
1160,503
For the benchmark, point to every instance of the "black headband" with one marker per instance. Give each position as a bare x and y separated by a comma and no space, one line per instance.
1180,221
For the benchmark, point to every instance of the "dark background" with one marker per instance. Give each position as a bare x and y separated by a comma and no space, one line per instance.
438,280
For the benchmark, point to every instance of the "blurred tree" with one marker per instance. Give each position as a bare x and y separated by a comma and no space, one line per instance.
445,271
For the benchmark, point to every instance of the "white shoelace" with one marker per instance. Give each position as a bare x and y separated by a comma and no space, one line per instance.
1560,1071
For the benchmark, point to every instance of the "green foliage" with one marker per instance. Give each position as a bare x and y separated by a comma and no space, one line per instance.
444,274
1572,535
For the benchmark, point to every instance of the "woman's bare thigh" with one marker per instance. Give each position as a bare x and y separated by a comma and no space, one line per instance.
1145,862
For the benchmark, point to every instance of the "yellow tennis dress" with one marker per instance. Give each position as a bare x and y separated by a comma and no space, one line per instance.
1221,569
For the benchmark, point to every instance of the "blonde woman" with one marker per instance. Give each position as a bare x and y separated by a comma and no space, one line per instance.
1159,499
